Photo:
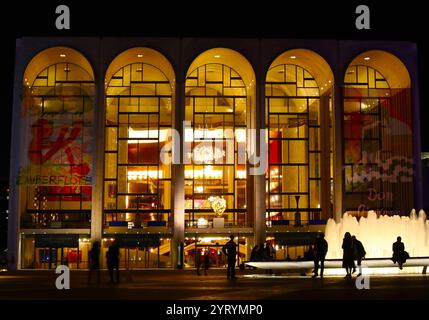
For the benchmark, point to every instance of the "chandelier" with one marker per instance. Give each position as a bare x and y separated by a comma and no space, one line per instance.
218,204
207,154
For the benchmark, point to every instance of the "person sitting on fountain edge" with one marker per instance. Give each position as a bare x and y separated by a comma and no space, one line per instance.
399,254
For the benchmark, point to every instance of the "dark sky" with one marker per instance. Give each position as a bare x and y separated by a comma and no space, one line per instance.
300,19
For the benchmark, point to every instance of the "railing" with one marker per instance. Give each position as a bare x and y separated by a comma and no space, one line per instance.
137,219
210,224
312,217
55,219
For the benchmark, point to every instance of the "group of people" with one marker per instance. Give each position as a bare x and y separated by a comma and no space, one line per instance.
263,252
112,258
353,250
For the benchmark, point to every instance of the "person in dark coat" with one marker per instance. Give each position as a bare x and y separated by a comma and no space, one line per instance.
112,257
230,250
206,260
94,261
320,250
348,254
359,253
268,253
399,254
255,254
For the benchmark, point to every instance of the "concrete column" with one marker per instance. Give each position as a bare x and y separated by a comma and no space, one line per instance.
338,150
325,157
418,183
13,241
259,180
178,175
99,132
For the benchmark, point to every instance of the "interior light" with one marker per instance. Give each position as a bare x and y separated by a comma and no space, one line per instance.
217,56
62,55
293,57
366,58
139,55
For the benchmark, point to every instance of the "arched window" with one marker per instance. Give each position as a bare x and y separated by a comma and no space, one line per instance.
297,84
139,108
377,135
217,102
58,108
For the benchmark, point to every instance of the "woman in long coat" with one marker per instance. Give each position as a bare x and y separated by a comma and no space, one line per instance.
348,254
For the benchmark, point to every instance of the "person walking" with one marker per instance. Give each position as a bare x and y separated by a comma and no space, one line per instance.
399,254
230,250
112,257
206,260
268,254
359,253
94,261
348,256
320,250
255,254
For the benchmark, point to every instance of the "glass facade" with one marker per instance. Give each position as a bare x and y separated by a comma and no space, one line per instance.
56,177
137,185
377,143
158,209
216,105
293,179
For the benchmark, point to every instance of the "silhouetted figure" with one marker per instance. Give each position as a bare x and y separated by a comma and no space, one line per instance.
198,261
359,253
399,254
348,254
94,261
230,250
112,256
309,254
203,260
268,253
137,221
255,254
206,260
320,250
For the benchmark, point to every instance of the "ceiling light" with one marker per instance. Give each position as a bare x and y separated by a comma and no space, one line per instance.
139,55
366,58
293,57
62,55
217,56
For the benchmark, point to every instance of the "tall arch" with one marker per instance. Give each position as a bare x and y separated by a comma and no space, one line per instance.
377,134
140,84
55,178
219,95
297,115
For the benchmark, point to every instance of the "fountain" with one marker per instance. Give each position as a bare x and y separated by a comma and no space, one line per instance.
377,234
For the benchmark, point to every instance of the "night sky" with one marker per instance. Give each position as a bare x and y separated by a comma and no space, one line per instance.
407,21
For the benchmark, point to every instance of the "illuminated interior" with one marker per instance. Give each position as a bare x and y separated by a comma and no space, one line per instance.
219,88
56,175
139,107
377,134
293,116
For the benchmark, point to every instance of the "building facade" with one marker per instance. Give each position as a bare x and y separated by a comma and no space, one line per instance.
170,145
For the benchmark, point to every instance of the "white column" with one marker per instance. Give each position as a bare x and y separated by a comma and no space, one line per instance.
98,161
178,176
13,241
338,150
259,180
